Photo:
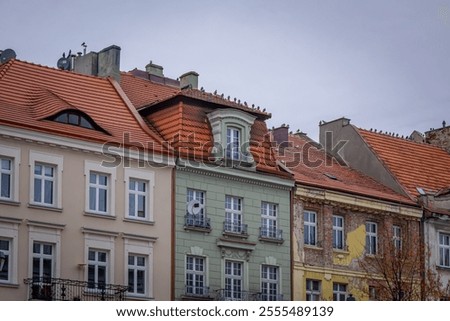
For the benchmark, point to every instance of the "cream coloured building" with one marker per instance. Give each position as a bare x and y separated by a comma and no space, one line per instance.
85,210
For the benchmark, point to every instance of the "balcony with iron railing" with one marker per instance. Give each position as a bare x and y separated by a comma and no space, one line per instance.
53,289
271,234
235,228
269,297
230,295
197,222
196,292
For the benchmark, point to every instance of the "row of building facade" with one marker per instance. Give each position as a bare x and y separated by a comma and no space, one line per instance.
131,185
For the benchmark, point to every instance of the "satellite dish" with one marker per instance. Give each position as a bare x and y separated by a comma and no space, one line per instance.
63,63
7,55
194,207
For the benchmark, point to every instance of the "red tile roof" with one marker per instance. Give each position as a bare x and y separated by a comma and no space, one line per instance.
30,93
180,116
412,164
313,167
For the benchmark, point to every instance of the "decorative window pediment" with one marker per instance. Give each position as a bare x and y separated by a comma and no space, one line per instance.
231,133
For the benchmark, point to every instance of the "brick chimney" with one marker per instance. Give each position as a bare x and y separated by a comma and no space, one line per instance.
154,69
105,63
281,136
189,79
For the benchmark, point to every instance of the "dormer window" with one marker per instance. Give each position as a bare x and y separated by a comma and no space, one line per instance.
76,118
231,132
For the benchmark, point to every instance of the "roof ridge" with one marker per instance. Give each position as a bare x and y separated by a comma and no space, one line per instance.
4,67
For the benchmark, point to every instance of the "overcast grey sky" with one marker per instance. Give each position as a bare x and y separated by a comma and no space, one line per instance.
384,64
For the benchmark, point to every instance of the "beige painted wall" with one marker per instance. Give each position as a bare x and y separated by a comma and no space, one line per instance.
75,226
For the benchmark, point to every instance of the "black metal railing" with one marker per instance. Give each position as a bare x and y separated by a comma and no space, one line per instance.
271,233
199,221
196,291
229,295
234,227
269,297
53,289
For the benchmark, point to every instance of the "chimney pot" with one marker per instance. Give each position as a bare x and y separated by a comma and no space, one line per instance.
154,70
189,79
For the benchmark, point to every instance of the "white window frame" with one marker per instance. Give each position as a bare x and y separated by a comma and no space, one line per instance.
338,230
97,168
269,219
55,161
267,281
234,216
234,143
98,264
397,237
8,253
308,225
196,290
42,256
140,246
371,238
311,293
101,242
136,268
9,230
43,179
12,154
338,292
234,293
148,177
444,249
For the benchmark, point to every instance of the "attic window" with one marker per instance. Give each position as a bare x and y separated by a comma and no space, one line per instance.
330,176
76,118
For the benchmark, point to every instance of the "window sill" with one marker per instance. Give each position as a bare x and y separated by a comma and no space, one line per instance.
187,297
133,220
271,240
341,251
97,215
135,297
444,268
44,207
9,202
313,247
197,228
235,234
9,285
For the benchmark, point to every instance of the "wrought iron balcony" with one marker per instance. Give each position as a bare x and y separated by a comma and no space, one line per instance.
52,289
229,295
269,297
197,221
196,291
234,227
271,233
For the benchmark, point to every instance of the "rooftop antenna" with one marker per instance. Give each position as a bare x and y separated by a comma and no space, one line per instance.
84,45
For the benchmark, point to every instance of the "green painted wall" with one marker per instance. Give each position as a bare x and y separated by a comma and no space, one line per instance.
216,189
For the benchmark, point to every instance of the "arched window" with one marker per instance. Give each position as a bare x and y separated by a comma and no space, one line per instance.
76,118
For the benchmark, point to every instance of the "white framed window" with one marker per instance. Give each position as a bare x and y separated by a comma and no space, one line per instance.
137,274
233,149
195,209
444,250
339,292
5,252
310,227
6,177
338,232
139,264
9,173
270,283
46,179
139,194
43,261
98,261
196,276
269,215
100,188
9,235
397,237
233,215
371,238
99,255
313,290
234,280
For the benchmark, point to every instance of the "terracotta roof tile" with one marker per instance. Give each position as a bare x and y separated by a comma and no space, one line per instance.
30,93
312,166
413,164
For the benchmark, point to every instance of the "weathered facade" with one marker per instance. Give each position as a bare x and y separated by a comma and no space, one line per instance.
340,216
